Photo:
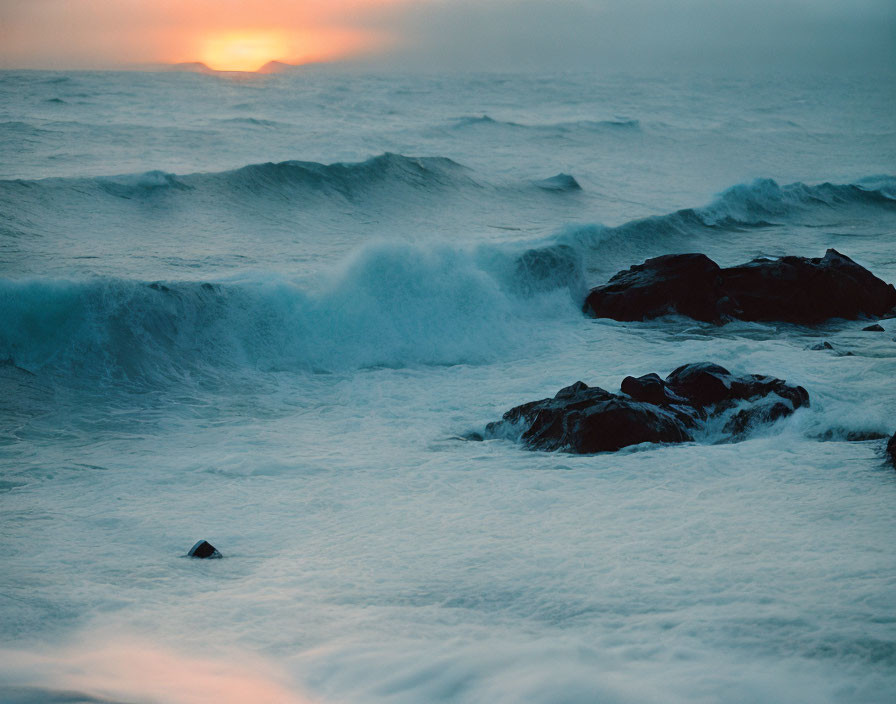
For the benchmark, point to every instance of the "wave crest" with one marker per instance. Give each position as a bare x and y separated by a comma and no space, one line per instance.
758,204
560,128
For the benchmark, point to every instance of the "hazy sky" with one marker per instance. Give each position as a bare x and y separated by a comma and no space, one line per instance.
462,34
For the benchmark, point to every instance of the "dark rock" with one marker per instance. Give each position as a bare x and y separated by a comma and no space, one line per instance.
702,384
822,346
706,384
789,289
802,290
585,419
740,423
891,450
873,328
571,390
683,284
649,389
203,550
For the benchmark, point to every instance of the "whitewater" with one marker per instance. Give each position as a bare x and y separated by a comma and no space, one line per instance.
271,312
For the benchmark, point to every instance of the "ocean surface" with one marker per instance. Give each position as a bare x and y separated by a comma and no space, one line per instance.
266,310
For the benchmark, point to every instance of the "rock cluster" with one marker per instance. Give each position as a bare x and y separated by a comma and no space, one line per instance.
585,419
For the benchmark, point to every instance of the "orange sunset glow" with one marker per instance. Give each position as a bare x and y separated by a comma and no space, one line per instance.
224,35
238,51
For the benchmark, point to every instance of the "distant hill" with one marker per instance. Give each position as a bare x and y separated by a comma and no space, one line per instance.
276,67
269,68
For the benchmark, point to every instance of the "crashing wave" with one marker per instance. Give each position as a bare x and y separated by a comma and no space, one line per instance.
389,305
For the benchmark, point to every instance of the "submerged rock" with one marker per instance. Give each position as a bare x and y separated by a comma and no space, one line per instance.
204,550
585,419
789,289
821,346
873,328
891,450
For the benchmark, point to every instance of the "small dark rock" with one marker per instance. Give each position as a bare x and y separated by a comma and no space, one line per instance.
585,419
873,328
822,346
204,550
790,289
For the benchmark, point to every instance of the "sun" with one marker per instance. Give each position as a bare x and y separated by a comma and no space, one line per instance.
243,51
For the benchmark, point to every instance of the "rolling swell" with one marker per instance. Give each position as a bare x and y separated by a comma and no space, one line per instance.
559,128
347,179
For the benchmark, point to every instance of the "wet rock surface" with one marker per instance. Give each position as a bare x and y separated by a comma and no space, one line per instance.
583,419
204,550
790,289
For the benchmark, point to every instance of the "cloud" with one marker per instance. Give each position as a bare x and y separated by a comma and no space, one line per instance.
619,34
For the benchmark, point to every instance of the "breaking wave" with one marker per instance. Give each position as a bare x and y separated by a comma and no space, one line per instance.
389,305
761,203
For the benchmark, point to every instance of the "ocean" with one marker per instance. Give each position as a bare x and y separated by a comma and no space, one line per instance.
268,312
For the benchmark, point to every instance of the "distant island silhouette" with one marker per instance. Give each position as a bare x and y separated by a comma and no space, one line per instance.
200,67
